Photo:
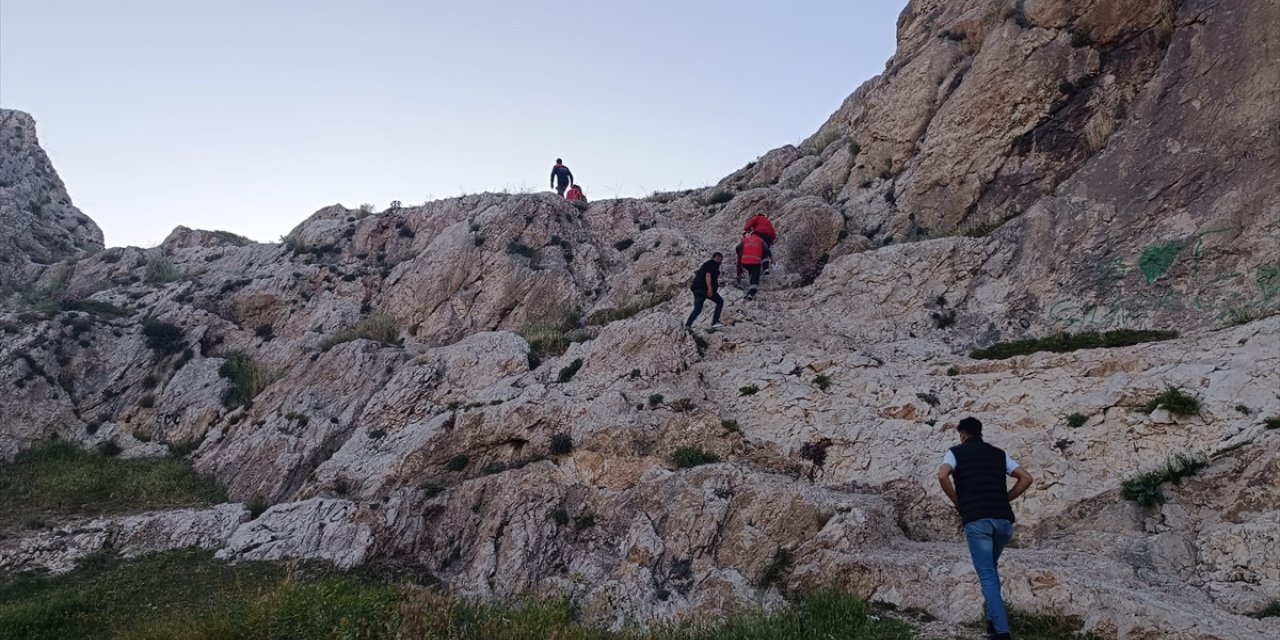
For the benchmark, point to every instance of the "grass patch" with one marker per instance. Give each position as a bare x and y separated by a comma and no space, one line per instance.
552,337
376,326
1045,626
1065,342
164,338
561,444
160,270
94,307
190,596
1145,489
1076,420
568,372
61,478
748,390
930,399
689,457
642,302
1175,401
823,381
718,196
248,378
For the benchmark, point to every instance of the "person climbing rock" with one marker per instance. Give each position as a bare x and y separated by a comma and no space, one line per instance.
981,495
752,253
575,194
561,177
760,224
706,286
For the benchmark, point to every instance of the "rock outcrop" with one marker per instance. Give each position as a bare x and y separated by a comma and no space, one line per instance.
41,227
492,388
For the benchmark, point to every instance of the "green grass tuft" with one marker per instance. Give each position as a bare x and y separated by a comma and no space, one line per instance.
1076,420
248,379
164,338
61,478
1065,342
377,326
689,457
1175,401
748,390
569,371
1145,489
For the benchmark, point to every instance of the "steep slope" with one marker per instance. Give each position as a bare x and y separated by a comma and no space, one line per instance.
399,385
41,227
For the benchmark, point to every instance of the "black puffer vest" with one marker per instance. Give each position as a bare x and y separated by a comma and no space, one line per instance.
980,481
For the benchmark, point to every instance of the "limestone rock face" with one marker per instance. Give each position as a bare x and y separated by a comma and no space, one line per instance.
41,227
499,389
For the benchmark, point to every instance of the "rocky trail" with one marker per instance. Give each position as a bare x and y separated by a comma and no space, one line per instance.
498,390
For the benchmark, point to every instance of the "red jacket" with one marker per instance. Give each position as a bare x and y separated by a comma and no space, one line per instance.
760,224
752,250
575,193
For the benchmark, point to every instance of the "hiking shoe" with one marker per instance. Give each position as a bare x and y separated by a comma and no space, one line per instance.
717,325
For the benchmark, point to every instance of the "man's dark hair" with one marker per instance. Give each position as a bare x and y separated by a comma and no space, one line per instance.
717,255
970,426
559,161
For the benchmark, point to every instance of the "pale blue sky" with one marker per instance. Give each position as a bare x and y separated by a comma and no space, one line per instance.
250,115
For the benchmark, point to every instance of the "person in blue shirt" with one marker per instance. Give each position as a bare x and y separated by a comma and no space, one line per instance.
561,177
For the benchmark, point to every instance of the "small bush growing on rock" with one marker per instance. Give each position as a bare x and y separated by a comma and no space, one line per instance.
160,270
516,247
1145,489
731,426
1237,316
1081,38
952,371
552,336
431,489
822,516
164,338
1077,420
1244,409
748,390
265,332
377,433
457,463
623,245
568,372
560,517
689,457
1065,342
823,381
719,196
683,405
150,381
655,399
1272,423
1175,401
584,521
635,373
248,379
257,505
376,326
561,444
147,401
930,399
815,452
777,568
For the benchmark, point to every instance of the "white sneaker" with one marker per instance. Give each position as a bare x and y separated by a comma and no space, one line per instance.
717,325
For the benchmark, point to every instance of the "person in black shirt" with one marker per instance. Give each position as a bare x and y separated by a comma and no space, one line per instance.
706,286
981,495
561,177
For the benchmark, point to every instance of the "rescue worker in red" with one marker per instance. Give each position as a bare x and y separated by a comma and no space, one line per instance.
575,193
760,224
752,252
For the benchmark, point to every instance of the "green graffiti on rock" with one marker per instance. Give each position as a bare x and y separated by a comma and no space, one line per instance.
1269,281
1157,258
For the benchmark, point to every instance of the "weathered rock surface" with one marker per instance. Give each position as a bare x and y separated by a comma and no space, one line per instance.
41,227
491,388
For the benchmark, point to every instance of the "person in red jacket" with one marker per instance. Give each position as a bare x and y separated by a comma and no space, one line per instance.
761,226
575,193
753,252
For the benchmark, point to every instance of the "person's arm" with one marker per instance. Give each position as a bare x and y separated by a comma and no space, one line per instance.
1023,482
553,177
948,487
711,289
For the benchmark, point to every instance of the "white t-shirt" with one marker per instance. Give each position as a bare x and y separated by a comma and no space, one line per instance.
1009,463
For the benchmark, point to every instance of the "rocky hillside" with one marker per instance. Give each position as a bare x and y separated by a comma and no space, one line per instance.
497,390
41,227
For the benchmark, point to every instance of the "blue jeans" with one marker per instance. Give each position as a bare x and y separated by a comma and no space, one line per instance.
987,538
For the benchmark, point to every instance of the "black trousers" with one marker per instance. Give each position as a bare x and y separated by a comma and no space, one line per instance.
700,297
560,187
753,271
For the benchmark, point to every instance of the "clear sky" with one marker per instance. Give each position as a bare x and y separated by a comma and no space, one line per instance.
250,115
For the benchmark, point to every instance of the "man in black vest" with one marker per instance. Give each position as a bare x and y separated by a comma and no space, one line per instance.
982,496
